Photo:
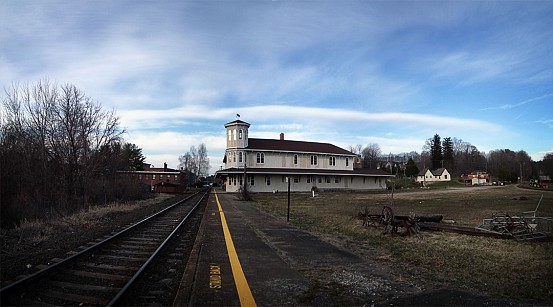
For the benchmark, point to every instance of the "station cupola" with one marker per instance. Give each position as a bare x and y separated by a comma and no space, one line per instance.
237,134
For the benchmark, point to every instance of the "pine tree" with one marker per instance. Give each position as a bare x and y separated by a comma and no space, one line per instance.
436,152
411,169
447,151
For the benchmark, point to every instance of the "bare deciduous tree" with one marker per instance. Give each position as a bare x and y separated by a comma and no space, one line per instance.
51,141
195,162
203,161
357,149
371,155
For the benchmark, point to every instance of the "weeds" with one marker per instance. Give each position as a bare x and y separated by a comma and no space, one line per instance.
37,231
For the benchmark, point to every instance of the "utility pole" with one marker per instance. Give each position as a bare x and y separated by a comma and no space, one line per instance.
288,181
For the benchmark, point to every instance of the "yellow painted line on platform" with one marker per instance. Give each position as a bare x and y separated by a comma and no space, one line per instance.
244,292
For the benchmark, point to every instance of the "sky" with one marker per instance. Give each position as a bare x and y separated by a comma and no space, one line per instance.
394,73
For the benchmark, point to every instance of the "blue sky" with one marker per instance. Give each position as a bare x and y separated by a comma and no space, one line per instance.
346,72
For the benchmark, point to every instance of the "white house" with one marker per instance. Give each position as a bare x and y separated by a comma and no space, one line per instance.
265,165
431,176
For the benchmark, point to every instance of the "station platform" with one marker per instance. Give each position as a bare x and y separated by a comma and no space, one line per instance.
268,262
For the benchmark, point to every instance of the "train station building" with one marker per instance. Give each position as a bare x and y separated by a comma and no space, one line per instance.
265,165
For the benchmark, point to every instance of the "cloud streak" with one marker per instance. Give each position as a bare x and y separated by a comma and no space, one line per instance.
508,106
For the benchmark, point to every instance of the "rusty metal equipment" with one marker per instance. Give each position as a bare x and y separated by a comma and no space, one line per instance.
528,226
392,222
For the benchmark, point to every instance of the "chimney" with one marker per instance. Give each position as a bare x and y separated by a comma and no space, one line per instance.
282,136
165,167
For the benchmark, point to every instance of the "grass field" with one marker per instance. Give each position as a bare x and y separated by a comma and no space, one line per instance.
515,269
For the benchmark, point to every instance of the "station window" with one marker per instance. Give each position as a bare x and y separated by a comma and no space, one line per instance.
260,157
327,179
229,135
240,134
347,161
332,161
176,177
252,181
240,156
154,176
295,159
297,179
268,179
313,160
337,179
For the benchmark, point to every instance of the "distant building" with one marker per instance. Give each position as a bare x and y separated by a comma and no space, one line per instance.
476,178
161,180
430,176
265,164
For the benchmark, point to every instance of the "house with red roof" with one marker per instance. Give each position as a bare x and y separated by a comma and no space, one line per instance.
265,165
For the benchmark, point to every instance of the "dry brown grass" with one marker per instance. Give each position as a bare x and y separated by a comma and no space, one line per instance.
37,231
522,270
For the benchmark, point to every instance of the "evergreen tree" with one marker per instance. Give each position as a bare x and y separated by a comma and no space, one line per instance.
436,152
411,169
133,158
447,151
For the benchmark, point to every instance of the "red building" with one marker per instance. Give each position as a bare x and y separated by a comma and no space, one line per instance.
160,180
476,178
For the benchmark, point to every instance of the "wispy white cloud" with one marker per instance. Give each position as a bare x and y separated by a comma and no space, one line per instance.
467,68
547,122
396,144
518,104
307,116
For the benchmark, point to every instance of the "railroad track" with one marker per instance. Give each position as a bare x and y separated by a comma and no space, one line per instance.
139,265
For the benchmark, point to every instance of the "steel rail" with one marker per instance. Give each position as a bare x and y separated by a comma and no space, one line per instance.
135,277
22,282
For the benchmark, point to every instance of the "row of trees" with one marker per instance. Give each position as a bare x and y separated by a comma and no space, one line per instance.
59,152
454,154
459,157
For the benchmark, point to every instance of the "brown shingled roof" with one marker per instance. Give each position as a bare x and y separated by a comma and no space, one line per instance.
296,146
